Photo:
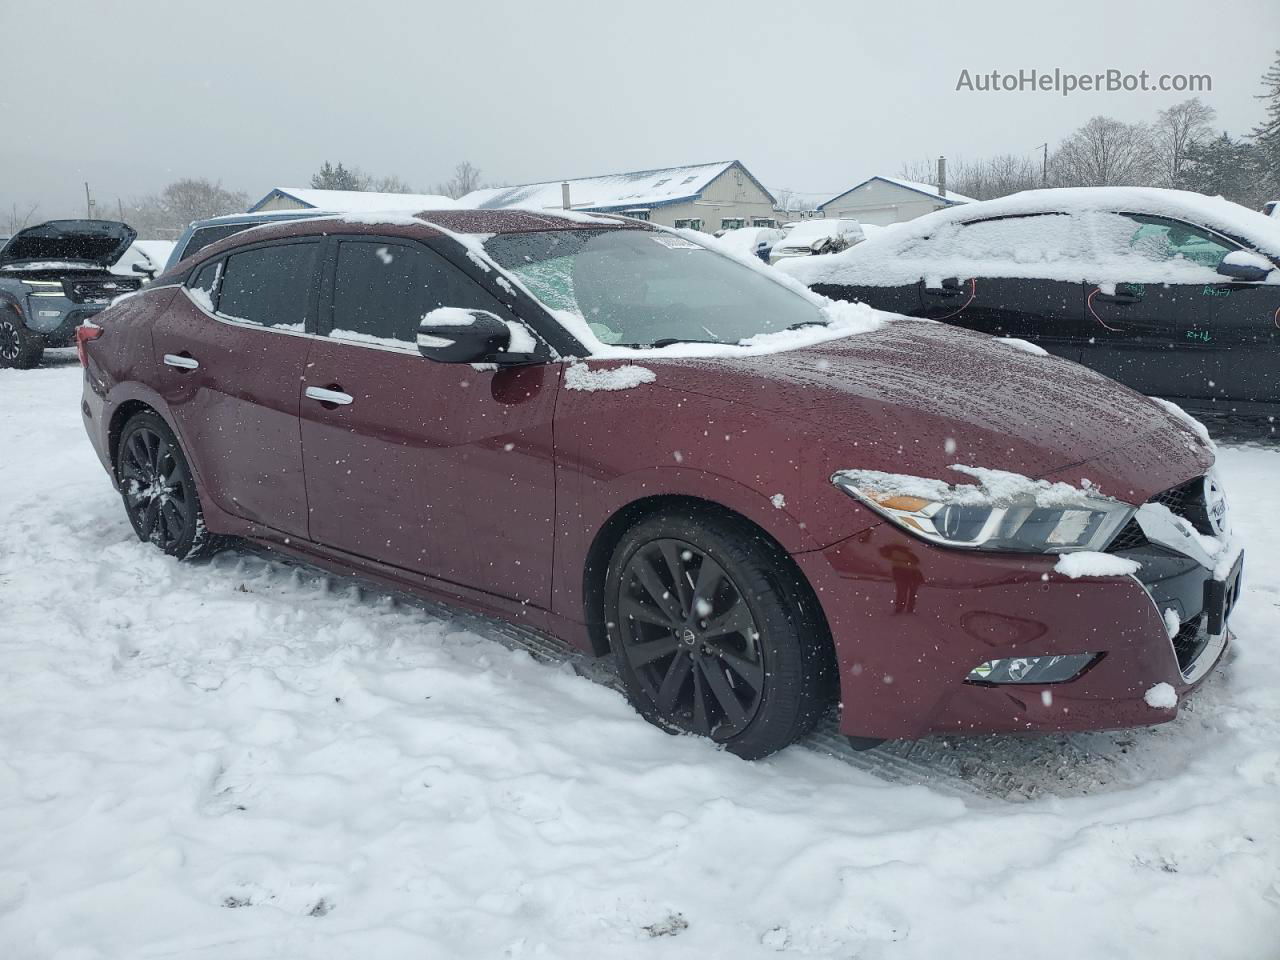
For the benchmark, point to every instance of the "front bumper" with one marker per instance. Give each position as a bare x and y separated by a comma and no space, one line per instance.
910,621
55,318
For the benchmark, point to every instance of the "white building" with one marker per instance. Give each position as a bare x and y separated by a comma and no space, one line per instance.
884,200
707,196
348,201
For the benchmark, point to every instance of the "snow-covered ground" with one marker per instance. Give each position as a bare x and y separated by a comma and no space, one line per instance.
246,759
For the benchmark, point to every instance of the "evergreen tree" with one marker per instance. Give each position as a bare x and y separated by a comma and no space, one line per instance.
337,178
1267,134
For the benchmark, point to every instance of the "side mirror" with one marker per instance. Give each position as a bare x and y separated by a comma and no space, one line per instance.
1245,265
455,335
149,271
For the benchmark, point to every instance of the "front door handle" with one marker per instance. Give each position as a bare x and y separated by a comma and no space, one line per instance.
181,361
324,395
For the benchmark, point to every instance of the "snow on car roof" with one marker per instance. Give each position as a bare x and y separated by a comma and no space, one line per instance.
1043,249
355,201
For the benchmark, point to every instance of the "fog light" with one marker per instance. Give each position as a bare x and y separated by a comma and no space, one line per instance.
1055,669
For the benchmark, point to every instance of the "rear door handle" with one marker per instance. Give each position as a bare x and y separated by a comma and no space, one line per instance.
325,395
1120,296
181,361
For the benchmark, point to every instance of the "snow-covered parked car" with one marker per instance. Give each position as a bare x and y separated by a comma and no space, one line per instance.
1172,293
817,236
53,277
760,502
751,241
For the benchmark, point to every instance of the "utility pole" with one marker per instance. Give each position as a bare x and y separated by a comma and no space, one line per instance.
120,207
1044,164
88,202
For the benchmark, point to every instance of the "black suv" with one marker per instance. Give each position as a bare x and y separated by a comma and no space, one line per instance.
53,277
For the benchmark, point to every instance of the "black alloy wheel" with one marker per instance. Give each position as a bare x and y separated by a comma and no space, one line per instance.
715,632
159,491
690,638
18,347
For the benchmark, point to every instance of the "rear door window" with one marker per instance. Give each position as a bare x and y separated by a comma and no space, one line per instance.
269,286
383,290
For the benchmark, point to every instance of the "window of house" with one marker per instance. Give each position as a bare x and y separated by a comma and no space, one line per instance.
636,214
732,223
269,286
694,223
382,291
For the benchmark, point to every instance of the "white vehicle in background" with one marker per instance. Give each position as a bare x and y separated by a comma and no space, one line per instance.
147,257
818,236
751,241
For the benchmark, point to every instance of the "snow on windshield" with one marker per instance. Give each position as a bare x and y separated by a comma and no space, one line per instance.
629,293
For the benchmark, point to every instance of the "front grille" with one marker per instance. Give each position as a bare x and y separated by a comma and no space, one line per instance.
99,289
1189,641
1185,501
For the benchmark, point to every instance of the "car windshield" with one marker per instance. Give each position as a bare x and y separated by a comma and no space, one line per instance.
642,288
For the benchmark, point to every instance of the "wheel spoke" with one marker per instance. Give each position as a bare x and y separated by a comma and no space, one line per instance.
752,674
677,673
734,711
651,650
631,607
173,521
737,619
150,516
679,574
138,450
701,716
710,576
649,579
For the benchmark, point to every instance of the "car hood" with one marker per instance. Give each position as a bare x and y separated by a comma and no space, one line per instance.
915,397
97,242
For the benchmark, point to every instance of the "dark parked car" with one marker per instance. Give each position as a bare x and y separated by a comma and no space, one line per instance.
200,233
1174,294
553,418
53,277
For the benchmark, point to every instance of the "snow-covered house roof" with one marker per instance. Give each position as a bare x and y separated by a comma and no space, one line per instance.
636,190
355,201
928,190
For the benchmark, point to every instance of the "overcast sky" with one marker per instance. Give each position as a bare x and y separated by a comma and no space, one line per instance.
811,96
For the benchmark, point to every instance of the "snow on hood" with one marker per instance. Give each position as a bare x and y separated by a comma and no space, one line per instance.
916,397
97,242
1072,246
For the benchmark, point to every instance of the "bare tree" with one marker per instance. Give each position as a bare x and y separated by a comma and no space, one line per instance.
1105,152
389,184
1176,134
466,177
784,198
983,179
18,220
164,215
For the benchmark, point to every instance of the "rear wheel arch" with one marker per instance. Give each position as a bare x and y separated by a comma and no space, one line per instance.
125,412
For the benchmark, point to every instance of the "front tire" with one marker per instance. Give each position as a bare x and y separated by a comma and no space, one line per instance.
19,347
715,633
159,491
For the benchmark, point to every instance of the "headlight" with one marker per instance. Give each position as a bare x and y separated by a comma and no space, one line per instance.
1002,511
45,288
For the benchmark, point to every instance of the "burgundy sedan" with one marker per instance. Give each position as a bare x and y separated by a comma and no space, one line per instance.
761,507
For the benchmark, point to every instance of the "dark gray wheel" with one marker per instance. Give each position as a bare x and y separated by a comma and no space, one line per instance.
158,490
19,347
714,633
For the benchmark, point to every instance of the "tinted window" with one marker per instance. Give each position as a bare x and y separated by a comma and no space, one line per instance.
382,290
204,284
269,286
1158,239
206,235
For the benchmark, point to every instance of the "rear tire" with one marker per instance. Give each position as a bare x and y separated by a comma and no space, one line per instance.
20,348
715,633
159,491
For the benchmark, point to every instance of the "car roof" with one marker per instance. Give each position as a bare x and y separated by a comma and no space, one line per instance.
419,224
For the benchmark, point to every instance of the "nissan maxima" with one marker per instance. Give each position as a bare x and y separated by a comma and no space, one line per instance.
762,504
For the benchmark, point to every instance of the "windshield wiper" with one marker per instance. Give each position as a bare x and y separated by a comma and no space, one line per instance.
668,341
809,323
